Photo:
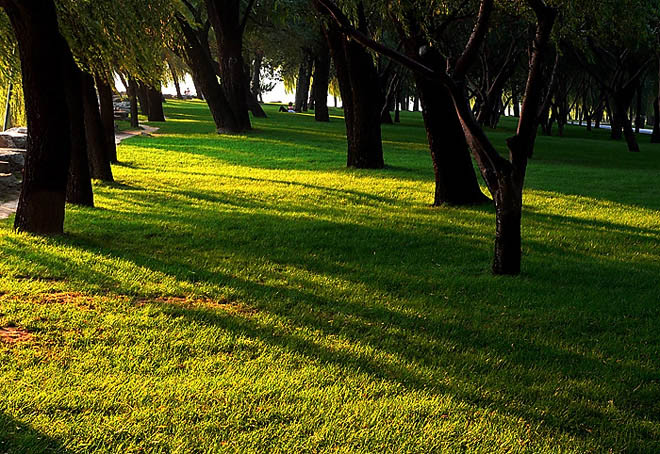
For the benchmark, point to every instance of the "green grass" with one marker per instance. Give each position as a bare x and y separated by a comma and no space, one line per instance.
251,294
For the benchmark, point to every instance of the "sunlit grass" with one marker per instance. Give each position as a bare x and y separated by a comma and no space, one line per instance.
251,294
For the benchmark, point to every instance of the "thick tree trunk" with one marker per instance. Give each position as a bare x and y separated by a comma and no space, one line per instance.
225,16
97,146
132,90
155,100
655,138
107,115
622,121
361,99
455,179
254,106
44,59
321,82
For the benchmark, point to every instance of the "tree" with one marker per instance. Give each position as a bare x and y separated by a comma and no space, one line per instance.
505,178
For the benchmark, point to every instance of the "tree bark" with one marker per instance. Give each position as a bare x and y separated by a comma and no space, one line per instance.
225,16
107,115
198,57
175,80
97,146
302,85
132,90
45,57
79,185
455,179
361,99
155,100
321,82
143,96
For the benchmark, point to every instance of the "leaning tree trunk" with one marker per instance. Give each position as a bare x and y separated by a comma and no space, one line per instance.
107,115
155,100
361,99
175,80
97,146
198,57
44,57
321,82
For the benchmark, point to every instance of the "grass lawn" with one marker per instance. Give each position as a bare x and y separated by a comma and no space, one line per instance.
251,294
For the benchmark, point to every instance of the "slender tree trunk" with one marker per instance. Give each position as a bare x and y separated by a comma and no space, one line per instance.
79,185
302,86
175,79
43,53
97,146
155,100
107,115
321,82
132,90
361,99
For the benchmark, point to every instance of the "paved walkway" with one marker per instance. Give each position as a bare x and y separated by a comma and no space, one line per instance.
9,202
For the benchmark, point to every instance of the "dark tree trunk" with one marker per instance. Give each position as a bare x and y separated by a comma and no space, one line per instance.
655,137
638,113
79,184
45,57
155,100
107,115
132,90
397,105
199,60
199,93
143,96
254,106
225,16
621,120
302,86
321,83
455,179
97,146
175,80
361,99
416,104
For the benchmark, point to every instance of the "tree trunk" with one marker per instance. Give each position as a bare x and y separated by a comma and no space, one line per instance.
302,86
97,146
143,96
225,16
455,179
45,57
254,106
622,121
256,74
107,115
198,57
132,90
361,99
175,79
155,100
321,82
79,185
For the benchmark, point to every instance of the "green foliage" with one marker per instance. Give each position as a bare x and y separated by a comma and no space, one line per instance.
251,294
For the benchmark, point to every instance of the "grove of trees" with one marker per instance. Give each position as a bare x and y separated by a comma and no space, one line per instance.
465,63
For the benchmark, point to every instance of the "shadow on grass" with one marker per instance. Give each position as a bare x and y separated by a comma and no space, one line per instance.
19,438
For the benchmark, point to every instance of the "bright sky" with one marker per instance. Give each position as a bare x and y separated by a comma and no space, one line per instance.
276,95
